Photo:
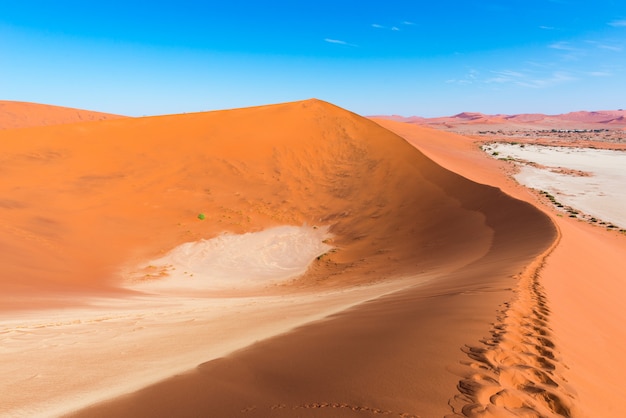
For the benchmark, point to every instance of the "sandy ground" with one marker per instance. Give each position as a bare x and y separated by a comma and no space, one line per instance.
53,359
442,296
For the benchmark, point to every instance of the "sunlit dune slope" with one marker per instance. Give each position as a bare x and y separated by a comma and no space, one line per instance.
80,202
23,114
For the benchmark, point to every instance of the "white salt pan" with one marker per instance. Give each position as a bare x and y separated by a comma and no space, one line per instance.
232,261
602,193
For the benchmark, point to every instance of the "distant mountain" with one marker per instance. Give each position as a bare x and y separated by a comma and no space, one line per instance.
580,119
24,115
605,116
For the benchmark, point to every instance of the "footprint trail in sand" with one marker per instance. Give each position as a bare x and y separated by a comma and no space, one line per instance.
516,372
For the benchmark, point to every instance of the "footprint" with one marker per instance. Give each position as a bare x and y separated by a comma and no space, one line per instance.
518,363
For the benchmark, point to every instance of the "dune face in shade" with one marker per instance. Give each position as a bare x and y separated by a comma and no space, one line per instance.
24,115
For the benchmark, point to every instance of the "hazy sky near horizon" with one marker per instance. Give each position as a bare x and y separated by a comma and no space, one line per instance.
408,57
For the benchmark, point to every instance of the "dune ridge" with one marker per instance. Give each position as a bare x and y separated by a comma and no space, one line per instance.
517,370
23,115
581,278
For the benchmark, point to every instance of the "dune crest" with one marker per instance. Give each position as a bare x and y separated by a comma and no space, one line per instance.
23,115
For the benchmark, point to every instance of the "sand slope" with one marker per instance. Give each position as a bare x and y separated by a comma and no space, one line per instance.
83,202
79,201
23,114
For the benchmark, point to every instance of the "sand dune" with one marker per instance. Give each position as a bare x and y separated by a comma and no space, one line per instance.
87,202
84,199
23,115
578,294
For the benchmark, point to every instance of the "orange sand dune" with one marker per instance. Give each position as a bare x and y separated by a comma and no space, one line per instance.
82,202
22,115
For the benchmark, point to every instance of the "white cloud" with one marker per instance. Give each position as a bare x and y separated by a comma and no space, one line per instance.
618,23
562,46
546,27
606,45
338,42
524,78
540,65
568,51
498,80
455,81
504,76
611,47
470,78
392,28
600,74
406,22
557,77
509,73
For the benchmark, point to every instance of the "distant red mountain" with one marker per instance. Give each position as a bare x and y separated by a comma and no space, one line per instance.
580,119
606,116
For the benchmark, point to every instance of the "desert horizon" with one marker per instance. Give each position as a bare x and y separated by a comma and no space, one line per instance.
296,259
15,114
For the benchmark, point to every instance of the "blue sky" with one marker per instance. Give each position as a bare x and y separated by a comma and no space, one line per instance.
395,57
